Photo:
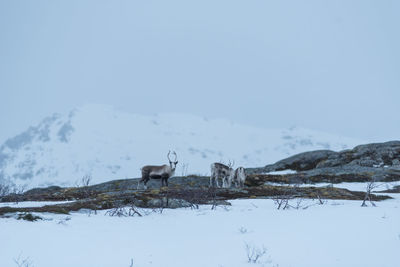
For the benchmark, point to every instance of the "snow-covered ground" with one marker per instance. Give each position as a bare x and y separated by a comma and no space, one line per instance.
378,186
282,172
111,144
338,233
31,204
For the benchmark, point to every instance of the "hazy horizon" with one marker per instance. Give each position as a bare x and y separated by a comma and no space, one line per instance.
328,66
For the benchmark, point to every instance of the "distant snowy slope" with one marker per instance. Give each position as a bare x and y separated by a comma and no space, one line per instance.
110,144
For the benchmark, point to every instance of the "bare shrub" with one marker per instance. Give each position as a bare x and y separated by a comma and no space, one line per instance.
12,192
17,191
184,169
163,202
64,221
211,197
282,201
321,200
212,192
124,211
198,196
4,190
23,262
159,209
254,254
86,179
292,199
84,182
372,184
84,190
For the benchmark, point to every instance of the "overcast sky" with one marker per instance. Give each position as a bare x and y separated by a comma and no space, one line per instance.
326,65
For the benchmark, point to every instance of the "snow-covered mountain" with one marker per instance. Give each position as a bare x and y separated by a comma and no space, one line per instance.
109,144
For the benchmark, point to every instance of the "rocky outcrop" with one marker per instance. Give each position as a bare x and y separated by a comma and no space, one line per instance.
182,192
380,161
300,162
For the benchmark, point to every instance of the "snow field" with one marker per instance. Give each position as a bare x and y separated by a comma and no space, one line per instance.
339,233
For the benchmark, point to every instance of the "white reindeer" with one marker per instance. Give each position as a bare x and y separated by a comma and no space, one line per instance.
239,177
223,173
163,172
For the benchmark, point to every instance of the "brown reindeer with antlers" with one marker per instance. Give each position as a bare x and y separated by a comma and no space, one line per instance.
163,172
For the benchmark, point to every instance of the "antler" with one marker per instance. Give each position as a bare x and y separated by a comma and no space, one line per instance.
173,153
231,164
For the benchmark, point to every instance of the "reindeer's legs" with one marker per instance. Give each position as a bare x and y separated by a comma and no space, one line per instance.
144,185
164,180
226,182
212,177
145,180
140,181
229,181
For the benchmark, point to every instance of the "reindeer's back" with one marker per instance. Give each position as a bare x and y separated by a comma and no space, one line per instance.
148,169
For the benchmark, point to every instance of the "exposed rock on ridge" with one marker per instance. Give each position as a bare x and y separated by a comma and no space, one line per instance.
379,160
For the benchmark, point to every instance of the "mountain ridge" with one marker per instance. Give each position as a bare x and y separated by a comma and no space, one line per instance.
108,144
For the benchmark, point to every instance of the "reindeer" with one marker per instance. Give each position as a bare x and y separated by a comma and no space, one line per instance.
163,172
221,172
239,177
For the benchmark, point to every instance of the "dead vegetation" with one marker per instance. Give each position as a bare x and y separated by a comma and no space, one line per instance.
372,184
122,198
301,178
254,254
21,261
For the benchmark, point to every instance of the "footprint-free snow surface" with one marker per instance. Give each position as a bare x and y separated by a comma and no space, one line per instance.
109,144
